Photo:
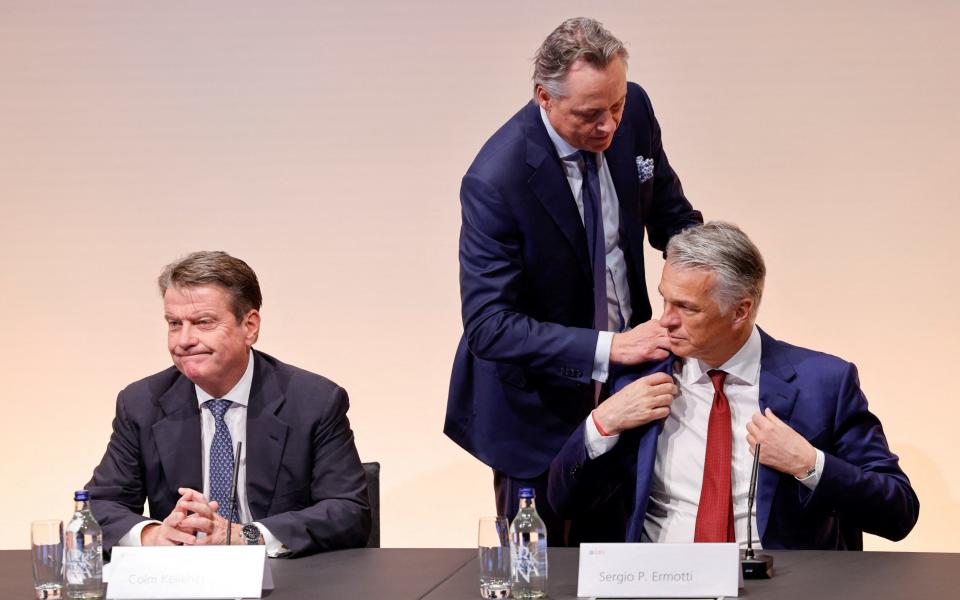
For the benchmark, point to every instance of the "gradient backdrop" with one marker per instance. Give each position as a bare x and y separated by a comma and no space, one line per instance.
324,143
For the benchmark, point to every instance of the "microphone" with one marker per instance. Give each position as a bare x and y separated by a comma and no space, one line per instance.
233,490
754,566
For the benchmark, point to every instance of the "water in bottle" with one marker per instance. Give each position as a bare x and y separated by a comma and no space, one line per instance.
528,550
83,560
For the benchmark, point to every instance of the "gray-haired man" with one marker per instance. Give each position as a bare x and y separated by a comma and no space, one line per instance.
675,445
551,262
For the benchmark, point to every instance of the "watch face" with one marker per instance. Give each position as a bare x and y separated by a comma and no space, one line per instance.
251,534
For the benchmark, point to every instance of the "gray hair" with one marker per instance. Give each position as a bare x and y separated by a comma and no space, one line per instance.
727,252
215,268
575,39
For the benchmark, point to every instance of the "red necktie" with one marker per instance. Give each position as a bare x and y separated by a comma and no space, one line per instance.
715,513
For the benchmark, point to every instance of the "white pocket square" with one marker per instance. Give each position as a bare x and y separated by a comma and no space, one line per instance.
644,169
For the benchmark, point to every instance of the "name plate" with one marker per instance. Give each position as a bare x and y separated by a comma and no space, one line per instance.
658,570
176,572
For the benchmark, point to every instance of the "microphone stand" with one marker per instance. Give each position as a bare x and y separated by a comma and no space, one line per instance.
233,491
754,566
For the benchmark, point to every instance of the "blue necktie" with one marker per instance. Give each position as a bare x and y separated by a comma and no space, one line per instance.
593,223
221,459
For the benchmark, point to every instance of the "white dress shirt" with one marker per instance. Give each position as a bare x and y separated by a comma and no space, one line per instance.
678,471
618,292
236,420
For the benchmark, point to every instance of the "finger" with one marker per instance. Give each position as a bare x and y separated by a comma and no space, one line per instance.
659,413
200,508
769,414
176,536
662,400
660,353
655,379
751,443
759,420
666,387
195,523
191,494
752,430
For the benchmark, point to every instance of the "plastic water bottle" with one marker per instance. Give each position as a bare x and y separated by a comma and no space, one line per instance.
83,558
528,550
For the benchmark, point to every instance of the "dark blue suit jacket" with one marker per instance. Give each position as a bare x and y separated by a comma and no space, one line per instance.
304,479
861,489
521,377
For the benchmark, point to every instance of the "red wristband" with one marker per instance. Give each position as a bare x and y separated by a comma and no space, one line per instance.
597,424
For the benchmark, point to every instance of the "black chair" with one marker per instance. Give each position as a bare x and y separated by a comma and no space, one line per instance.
372,471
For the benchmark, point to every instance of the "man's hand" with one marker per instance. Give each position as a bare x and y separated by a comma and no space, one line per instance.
191,514
645,342
781,447
646,399
218,535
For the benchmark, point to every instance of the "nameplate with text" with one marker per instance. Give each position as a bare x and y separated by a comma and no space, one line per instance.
176,572
658,570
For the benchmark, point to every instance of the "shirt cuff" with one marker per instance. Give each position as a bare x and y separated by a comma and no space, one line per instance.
812,481
274,546
597,444
601,357
132,537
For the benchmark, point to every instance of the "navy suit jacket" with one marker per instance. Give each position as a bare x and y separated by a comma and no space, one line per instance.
521,378
304,479
861,489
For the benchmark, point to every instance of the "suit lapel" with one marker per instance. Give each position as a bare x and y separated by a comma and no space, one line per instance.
623,171
177,437
779,395
266,437
646,458
549,184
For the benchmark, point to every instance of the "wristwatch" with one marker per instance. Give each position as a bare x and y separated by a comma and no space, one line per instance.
251,534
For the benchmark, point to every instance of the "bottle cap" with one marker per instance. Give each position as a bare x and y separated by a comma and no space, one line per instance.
527,493
81,496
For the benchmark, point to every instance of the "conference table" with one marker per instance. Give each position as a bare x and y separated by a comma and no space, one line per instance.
453,574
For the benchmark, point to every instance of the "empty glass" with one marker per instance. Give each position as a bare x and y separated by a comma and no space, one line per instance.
493,548
46,549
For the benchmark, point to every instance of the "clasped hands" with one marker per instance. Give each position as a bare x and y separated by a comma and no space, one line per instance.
649,398
193,514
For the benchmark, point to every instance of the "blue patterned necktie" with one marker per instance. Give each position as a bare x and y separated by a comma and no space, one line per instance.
221,459
593,224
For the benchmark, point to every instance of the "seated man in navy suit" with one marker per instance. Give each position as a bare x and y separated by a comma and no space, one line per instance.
301,487
675,446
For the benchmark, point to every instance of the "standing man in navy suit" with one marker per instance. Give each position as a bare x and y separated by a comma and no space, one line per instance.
551,262
677,448
301,487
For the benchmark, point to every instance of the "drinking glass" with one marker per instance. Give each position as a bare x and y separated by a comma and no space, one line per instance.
493,548
46,549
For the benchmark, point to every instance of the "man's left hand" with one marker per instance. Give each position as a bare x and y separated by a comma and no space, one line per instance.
218,537
781,447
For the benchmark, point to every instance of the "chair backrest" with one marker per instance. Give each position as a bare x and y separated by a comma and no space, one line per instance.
372,471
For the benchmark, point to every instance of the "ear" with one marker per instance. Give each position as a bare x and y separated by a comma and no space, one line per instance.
742,311
251,327
543,98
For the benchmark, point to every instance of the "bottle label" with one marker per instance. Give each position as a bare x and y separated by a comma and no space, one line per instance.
526,563
79,565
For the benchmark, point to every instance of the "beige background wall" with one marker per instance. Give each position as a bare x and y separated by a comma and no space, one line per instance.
324,142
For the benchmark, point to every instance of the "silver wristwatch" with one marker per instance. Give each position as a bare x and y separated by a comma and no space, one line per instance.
251,534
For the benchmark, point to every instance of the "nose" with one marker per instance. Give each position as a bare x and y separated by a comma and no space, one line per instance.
606,124
670,318
186,338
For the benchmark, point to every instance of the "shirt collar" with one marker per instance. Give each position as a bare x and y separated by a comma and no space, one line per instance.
564,149
743,367
240,394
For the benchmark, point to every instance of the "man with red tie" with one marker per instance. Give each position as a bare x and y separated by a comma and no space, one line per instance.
676,442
